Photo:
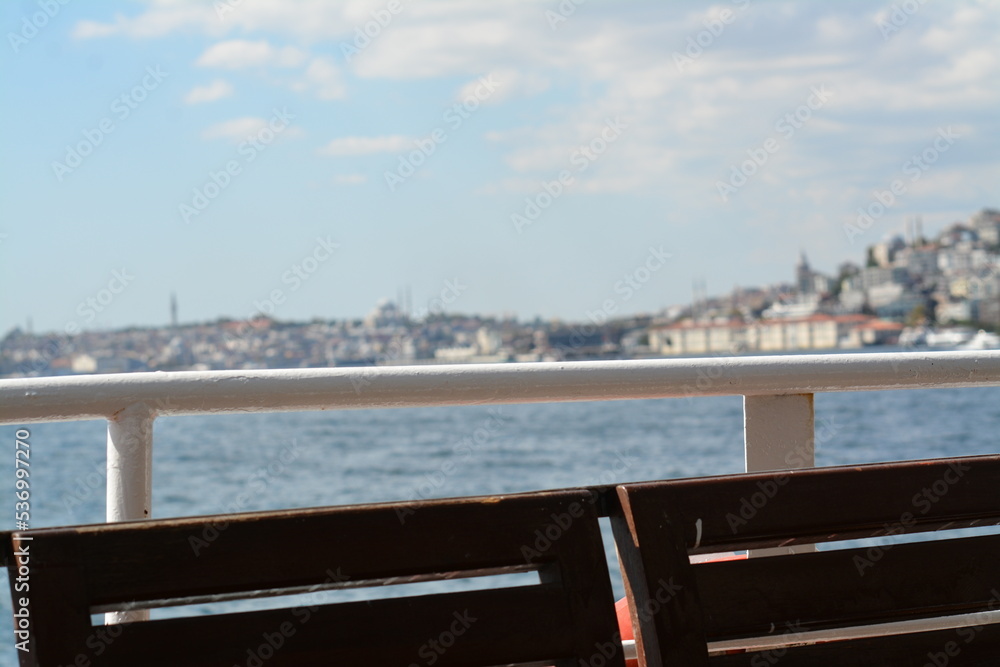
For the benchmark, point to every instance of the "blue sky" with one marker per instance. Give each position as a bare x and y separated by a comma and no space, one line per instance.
524,157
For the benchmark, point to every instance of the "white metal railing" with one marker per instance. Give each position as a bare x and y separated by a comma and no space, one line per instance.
778,397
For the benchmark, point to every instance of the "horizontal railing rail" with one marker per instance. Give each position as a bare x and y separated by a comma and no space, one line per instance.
70,398
778,397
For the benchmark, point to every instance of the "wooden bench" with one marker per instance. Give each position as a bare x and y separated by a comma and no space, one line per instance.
784,603
687,613
564,619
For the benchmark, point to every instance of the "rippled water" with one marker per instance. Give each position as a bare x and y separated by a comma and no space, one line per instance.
205,465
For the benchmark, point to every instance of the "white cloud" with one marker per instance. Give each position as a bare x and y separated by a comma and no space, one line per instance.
350,179
216,90
93,29
239,129
367,145
161,18
506,83
240,53
944,182
687,125
323,77
236,129
469,39
519,186
305,20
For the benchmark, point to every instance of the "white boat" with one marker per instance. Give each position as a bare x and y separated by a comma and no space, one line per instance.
913,337
983,340
951,337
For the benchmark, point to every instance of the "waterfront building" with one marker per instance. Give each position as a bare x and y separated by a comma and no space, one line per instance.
816,332
986,223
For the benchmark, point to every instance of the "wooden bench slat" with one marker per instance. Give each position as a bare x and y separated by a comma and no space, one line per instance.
349,544
371,632
841,588
661,587
57,599
733,512
970,647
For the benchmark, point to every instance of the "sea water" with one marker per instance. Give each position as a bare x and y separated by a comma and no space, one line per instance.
213,464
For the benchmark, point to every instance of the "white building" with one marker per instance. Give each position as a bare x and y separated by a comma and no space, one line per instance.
816,332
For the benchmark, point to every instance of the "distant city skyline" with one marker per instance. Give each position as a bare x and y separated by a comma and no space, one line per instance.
801,278
905,288
527,157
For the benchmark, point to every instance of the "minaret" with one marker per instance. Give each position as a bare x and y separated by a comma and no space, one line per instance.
699,299
173,310
803,274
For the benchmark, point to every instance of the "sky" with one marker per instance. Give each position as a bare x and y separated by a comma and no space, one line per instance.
529,157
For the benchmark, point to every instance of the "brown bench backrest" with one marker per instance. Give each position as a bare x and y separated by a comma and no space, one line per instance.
683,606
563,619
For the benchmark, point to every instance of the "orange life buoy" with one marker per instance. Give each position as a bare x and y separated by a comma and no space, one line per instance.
625,626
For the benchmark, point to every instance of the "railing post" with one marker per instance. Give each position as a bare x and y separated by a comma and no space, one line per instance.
779,434
130,476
